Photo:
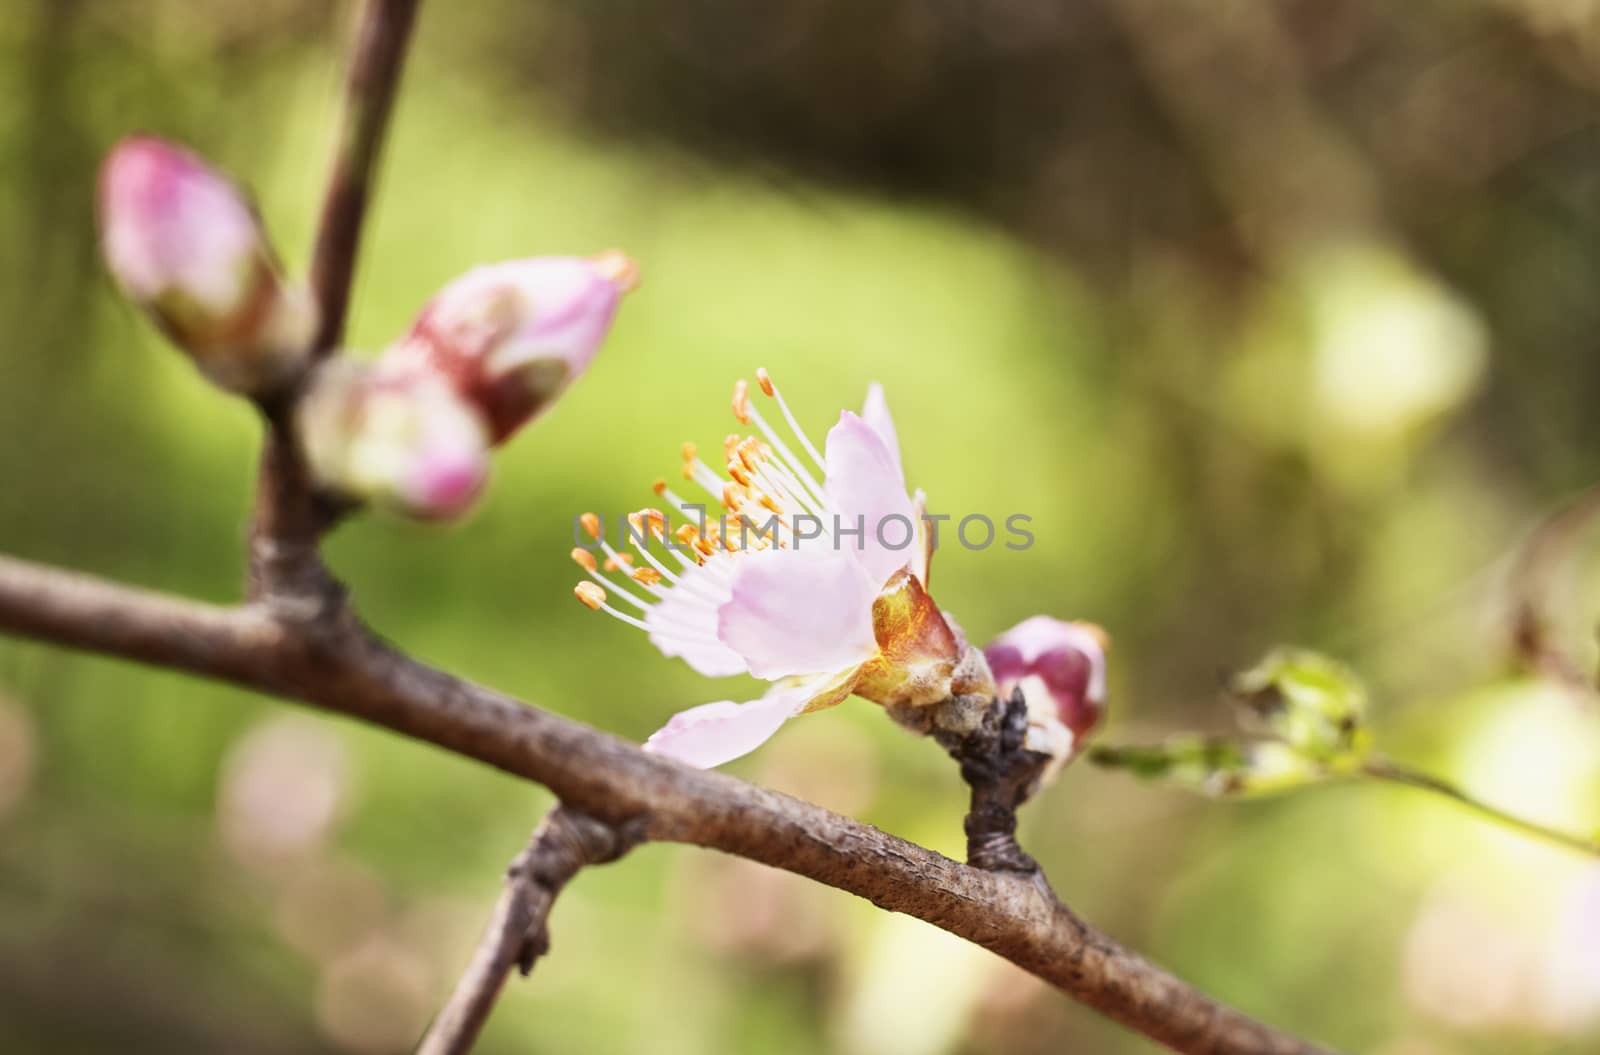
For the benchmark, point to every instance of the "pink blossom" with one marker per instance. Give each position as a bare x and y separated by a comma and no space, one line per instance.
1061,669
182,242
407,441
820,615
512,336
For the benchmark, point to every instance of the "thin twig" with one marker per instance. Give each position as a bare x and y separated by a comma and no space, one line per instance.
336,664
382,34
290,516
517,934
1395,773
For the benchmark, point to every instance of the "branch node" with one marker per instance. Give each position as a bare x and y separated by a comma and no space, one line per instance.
1000,770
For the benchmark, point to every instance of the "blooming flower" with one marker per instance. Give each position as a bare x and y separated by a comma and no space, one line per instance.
402,439
182,242
814,577
510,337
1061,669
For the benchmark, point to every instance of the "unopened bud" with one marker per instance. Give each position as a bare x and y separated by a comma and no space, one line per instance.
512,336
1061,668
408,442
182,242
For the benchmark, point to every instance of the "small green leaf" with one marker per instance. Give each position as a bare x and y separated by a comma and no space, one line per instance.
1315,704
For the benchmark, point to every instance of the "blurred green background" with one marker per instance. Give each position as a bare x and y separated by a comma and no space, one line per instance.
1278,318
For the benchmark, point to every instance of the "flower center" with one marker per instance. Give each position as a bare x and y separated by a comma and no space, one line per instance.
757,503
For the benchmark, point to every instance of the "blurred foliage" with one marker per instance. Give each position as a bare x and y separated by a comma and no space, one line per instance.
1279,320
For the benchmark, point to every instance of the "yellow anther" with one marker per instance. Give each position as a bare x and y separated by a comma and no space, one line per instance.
621,560
741,401
648,576
590,594
659,487
583,558
752,452
591,524
764,379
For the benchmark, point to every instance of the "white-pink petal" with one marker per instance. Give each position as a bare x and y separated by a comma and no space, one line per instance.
798,611
683,624
714,733
865,487
875,412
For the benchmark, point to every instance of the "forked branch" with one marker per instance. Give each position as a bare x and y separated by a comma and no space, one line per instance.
334,663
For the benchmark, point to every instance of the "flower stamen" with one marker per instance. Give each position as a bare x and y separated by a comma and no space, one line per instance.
591,595
765,380
785,453
587,563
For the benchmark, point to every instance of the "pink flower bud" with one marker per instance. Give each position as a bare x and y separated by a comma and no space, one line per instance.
182,242
512,336
1061,669
406,441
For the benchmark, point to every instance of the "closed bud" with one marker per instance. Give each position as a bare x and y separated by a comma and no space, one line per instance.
1315,704
405,441
1061,669
182,242
512,336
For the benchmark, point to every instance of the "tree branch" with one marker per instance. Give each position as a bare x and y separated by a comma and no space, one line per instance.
333,662
291,516
518,934
376,57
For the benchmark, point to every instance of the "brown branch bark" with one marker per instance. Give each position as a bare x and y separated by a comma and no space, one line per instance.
330,660
518,932
291,516
383,31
